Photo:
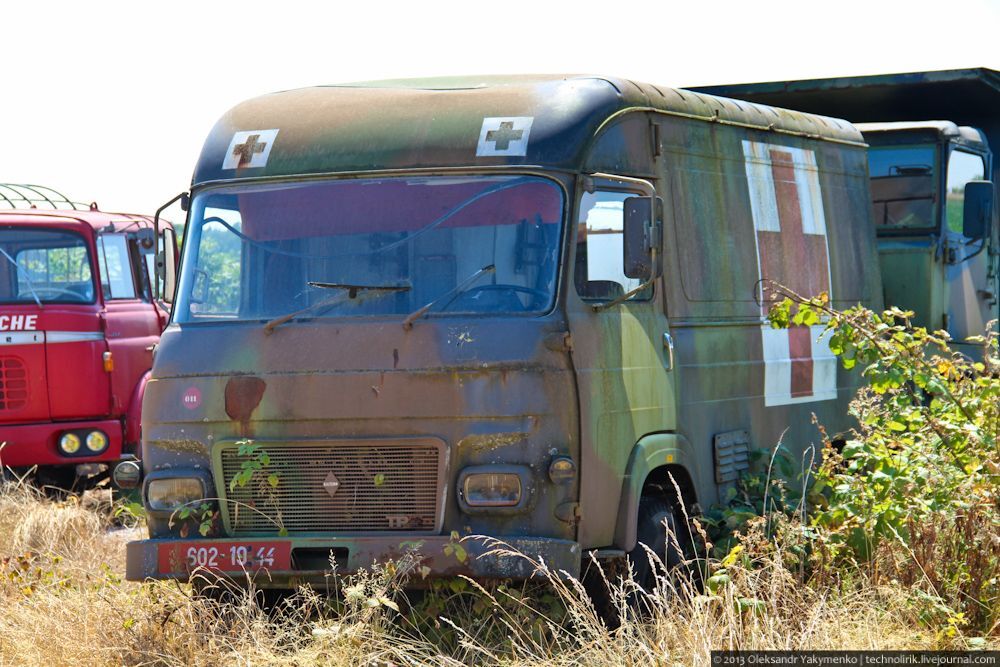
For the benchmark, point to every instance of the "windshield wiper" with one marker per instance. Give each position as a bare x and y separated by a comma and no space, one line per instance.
453,292
352,293
26,278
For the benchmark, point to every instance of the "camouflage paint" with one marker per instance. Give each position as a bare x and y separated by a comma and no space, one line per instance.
594,386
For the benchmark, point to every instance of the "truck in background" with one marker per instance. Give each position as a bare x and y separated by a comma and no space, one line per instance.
933,262
80,315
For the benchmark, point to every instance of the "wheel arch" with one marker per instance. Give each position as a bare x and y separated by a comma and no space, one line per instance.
657,460
133,417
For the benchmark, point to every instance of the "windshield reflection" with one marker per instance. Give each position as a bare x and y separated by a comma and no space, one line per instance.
267,251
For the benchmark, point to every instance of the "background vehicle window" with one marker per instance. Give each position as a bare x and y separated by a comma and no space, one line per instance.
117,281
903,183
215,290
49,265
962,168
600,266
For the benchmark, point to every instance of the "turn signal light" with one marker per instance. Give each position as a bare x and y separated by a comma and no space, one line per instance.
109,362
562,469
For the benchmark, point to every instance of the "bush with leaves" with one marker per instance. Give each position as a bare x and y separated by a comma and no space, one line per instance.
913,498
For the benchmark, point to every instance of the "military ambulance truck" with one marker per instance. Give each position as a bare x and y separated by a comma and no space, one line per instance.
520,307
932,184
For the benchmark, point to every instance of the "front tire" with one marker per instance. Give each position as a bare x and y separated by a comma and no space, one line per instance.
662,528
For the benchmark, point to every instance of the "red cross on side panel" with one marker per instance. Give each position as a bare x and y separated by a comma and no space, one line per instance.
795,259
789,221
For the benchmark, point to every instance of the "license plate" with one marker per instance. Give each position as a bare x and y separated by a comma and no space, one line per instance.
180,557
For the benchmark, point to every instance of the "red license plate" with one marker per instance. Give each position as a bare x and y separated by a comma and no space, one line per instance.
180,557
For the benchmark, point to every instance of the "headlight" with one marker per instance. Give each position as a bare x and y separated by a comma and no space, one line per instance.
69,443
499,489
172,493
97,441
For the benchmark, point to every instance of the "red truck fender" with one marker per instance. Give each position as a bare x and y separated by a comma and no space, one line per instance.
133,418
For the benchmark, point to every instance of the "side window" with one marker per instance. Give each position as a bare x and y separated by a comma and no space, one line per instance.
117,281
600,271
962,168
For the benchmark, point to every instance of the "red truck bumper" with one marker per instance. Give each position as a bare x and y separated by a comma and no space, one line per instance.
38,444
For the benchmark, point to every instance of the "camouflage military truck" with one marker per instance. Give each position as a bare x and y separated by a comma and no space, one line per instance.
411,311
939,258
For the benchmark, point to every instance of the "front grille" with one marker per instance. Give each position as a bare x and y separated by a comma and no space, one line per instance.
377,486
13,383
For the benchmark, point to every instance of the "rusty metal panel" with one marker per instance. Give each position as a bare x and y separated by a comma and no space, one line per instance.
732,455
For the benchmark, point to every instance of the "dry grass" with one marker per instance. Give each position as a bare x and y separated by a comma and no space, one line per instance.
63,601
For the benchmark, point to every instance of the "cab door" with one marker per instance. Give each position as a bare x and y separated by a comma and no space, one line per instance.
132,322
622,353
971,271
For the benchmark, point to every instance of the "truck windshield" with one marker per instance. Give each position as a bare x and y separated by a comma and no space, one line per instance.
44,266
389,246
903,183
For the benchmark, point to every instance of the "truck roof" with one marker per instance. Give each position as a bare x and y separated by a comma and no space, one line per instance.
968,96
436,123
945,128
97,220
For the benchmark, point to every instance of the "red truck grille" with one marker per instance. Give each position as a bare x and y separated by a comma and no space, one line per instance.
347,486
13,383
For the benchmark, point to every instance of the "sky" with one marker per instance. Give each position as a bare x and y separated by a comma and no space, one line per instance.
110,101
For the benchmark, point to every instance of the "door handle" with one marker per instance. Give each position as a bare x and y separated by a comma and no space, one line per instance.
668,343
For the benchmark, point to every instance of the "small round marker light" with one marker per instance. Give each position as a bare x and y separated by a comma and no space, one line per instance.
562,469
69,443
97,441
127,475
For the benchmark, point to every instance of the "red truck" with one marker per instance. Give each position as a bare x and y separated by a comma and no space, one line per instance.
82,306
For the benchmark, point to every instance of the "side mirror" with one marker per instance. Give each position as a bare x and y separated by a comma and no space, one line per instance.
641,236
978,211
169,265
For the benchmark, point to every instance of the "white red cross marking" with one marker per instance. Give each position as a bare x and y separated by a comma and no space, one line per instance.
787,206
249,149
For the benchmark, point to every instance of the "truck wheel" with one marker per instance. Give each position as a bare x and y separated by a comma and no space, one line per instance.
657,518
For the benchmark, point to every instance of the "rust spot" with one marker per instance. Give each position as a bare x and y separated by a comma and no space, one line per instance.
243,395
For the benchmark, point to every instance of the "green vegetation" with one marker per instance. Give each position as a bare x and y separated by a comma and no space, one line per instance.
913,498
890,540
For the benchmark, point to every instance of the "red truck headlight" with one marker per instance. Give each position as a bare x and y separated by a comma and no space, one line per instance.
96,442
69,443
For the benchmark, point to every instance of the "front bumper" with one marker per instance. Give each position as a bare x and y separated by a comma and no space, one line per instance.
484,558
38,444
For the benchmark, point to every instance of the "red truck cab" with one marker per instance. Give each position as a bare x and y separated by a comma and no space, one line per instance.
80,316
